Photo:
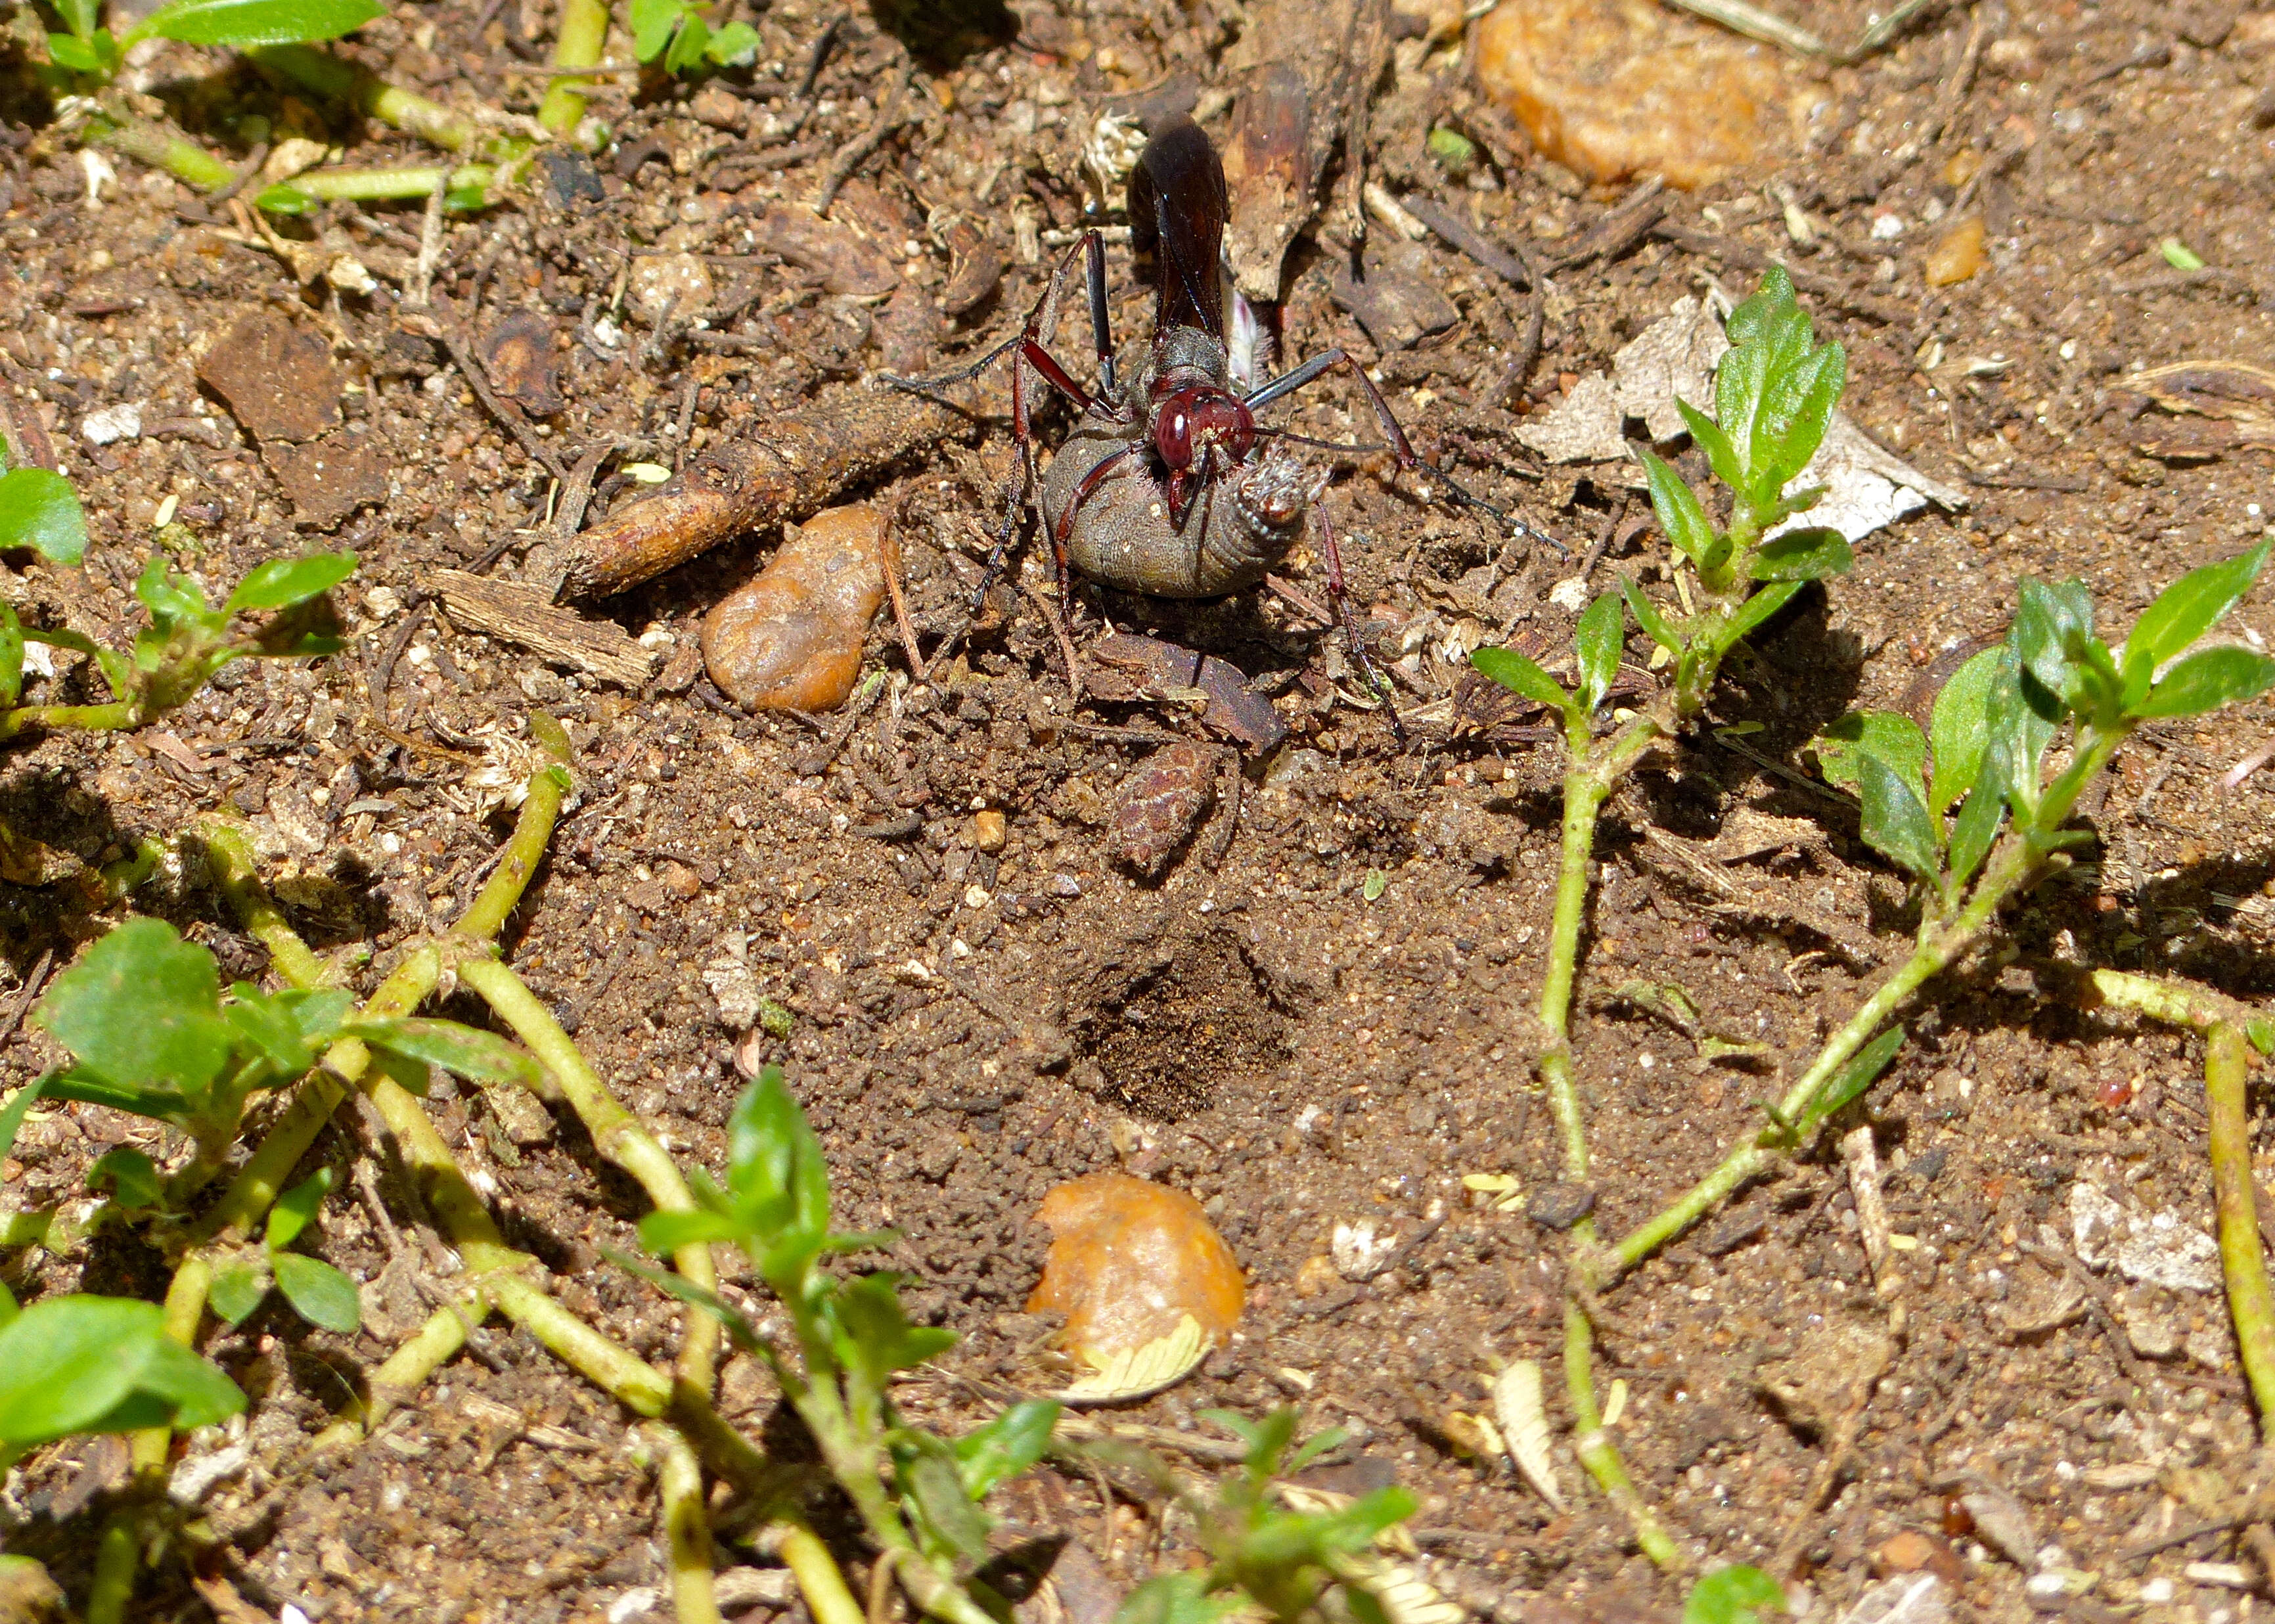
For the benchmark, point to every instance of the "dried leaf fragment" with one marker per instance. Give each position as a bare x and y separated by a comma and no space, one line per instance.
1523,1417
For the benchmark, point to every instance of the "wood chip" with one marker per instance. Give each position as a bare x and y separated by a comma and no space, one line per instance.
522,615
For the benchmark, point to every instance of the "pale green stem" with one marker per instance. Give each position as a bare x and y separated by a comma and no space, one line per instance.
186,161
686,1524
583,35
118,716
334,80
2227,1066
406,181
819,1577
616,1133
116,1553
2017,863
1596,1451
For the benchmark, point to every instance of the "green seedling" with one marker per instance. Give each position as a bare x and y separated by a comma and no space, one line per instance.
319,1293
151,1033
918,1495
185,643
1262,1554
1774,393
676,31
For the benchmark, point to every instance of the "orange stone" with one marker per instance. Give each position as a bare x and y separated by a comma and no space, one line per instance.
1611,88
790,639
1129,1260
1959,255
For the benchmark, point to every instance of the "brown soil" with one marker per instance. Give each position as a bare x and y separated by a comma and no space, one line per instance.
971,1027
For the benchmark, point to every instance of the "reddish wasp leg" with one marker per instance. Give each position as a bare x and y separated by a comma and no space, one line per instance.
1339,601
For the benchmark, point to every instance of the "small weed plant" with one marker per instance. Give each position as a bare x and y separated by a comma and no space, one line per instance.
1975,810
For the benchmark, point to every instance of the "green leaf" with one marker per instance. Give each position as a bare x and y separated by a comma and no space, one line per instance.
237,1290
687,45
131,1175
665,1232
737,1324
653,22
1656,625
296,1208
1688,531
734,46
39,510
2052,625
874,1337
1960,726
1862,1070
1519,675
12,657
2206,680
1890,736
173,599
928,1476
2179,256
1707,436
319,1293
244,24
1895,822
1803,556
284,199
159,1102
82,17
266,1027
1733,1596
142,1007
1977,826
1774,596
281,582
10,1308
1596,641
2184,612
13,1113
78,56
776,1177
1799,409
1005,1447
101,1364
485,1057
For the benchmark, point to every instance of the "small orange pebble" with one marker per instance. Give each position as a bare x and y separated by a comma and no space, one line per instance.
1959,255
1130,1261
790,639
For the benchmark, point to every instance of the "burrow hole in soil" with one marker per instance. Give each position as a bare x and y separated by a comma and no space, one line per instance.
1196,1018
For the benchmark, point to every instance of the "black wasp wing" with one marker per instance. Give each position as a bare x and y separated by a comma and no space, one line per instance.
1177,208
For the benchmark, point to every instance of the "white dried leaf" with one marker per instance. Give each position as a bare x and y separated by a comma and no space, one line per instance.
1901,1599
1133,1372
1407,1597
1524,1418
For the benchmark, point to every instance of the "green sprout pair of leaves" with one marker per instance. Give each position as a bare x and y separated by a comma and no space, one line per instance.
1737,1595
319,1293
1262,1553
87,48
39,510
1991,723
853,1335
676,31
